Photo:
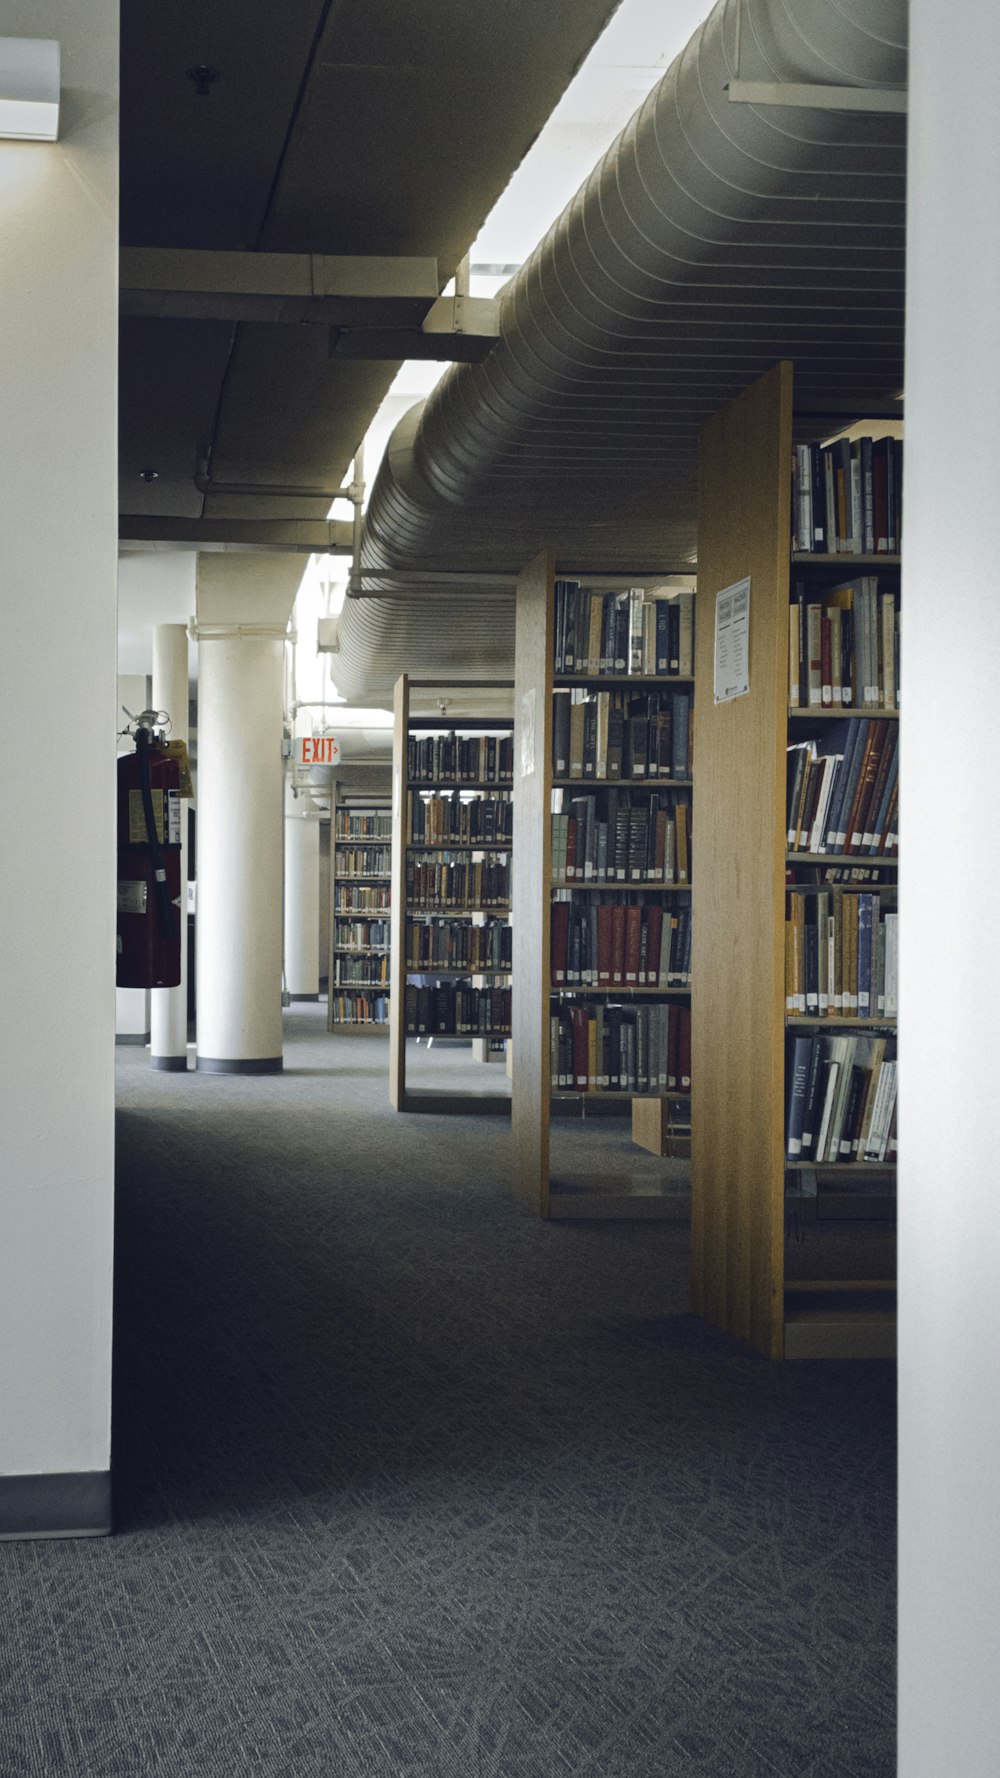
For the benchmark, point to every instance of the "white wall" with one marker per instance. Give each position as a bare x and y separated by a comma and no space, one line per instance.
950,987
154,587
58,521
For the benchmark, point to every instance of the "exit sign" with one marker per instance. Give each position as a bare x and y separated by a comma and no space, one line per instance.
318,750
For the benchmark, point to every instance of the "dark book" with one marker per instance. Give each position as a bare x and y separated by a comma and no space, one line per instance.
800,1057
560,940
680,720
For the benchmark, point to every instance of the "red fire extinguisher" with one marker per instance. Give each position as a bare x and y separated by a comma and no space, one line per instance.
149,859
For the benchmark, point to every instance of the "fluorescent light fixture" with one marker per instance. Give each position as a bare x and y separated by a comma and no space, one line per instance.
29,88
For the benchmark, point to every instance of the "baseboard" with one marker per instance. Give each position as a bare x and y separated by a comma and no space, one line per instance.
74,1504
132,1037
295,998
243,1065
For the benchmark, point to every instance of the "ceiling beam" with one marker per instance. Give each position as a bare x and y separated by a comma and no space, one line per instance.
324,289
302,536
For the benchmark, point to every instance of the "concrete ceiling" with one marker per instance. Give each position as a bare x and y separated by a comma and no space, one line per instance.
345,127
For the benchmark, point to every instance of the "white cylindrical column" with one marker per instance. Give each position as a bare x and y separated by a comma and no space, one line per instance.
240,779
168,1019
301,896
949,1222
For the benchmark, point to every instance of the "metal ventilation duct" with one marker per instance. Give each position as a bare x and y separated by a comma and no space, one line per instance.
713,238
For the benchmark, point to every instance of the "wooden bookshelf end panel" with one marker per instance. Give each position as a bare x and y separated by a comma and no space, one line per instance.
738,951
532,870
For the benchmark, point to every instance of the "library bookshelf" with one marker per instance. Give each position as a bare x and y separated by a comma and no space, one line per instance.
747,1195
360,876
547,1004
452,843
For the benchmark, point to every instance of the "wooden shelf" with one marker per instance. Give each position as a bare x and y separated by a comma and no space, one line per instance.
403,911
807,559
607,883
618,992
861,861
856,1167
834,1318
740,1176
834,1022
459,845
622,784
378,881
458,783
638,681
796,712
535,1099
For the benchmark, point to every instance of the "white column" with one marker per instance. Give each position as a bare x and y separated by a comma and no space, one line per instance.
240,781
949,1211
301,896
169,1024
58,521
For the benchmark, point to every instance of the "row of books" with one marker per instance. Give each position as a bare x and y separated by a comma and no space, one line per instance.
847,497
369,824
841,955
361,935
453,758
648,632
470,883
601,1047
359,1009
434,820
606,943
457,944
361,972
457,1010
623,836
841,1099
621,734
843,789
843,648
364,861
361,898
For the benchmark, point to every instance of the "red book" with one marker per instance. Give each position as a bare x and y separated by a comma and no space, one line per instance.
673,1048
633,945
560,939
654,936
617,944
684,1048
605,944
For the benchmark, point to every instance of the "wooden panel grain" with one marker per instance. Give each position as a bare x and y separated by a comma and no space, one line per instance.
737,1074
531,876
397,911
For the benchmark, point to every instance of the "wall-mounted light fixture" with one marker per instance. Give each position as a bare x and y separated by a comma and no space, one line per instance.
29,88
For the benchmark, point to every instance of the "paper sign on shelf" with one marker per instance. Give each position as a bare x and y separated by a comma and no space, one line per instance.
732,641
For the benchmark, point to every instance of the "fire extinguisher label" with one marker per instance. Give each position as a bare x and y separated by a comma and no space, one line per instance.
137,820
131,897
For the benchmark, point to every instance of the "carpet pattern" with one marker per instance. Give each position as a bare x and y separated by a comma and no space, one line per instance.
410,1485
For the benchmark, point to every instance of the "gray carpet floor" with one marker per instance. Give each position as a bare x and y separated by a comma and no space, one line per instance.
411,1485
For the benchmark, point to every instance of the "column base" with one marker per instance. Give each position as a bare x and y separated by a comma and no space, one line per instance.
294,997
70,1505
132,1037
170,1064
245,1065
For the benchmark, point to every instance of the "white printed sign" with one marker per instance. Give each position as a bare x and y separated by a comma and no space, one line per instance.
732,642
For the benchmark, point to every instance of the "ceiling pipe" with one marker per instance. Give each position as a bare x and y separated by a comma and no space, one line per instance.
711,240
